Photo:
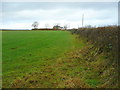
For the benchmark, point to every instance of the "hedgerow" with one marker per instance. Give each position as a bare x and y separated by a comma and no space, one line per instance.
105,39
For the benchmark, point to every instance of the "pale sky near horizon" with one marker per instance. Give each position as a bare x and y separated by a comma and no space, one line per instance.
21,15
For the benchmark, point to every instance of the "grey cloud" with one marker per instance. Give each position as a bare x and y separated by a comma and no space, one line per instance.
11,6
97,13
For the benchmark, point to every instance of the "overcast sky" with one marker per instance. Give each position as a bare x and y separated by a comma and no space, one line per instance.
21,15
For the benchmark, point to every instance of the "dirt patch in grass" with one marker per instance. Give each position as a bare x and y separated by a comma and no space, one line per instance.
73,83
13,48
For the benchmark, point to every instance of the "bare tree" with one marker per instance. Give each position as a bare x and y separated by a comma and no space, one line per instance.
46,25
35,25
88,26
56,24
65,27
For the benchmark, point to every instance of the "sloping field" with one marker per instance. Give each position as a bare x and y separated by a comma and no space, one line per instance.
55,59
26,52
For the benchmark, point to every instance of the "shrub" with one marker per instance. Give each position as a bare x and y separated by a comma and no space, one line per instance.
106,40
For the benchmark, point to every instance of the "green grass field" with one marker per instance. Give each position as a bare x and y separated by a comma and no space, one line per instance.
27,52
53,59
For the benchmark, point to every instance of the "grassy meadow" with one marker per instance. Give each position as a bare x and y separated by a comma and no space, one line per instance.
28,51
59,59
